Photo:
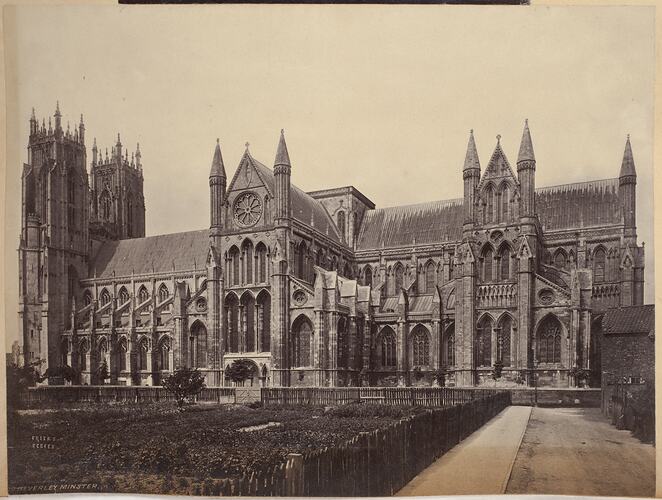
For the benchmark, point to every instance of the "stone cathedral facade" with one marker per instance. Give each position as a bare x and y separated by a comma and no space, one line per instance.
321,288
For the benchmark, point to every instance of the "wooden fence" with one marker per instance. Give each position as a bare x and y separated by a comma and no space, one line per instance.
113,393
413,396
377,463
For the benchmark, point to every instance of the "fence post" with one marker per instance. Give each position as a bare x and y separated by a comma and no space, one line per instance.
294,475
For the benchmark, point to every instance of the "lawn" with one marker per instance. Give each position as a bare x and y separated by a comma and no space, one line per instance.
155,448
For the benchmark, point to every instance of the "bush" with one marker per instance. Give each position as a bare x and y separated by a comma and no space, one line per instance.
19,378
240,370
184,383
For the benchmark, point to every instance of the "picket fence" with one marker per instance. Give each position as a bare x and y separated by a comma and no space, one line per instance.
117,393
377,463
410,396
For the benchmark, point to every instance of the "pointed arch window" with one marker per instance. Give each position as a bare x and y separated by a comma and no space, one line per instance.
560,260
450,346
83,349
143,294
302,333
388,348
503,340
87,298
367,276
420,347
489,205
106,206
430,277
505,263
483,348
341,224
233,258
505,203
302,257
549,340
123,296
488,261
143,348
247,249
104,297
164,354
398,278
261,251
121,354
599,265
164,293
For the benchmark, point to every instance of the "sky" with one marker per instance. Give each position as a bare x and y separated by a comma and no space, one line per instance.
379,97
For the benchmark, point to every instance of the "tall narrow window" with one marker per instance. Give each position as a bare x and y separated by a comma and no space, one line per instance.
341,224
399,278
234,266
430,277
505,263
247,248
121,355
599,266
505,204
261,263
143,294
164,293
450,347
105,206
560,259
483,348
488,258
388,348
123,296
489,205
420,346
503,340
367,276
302,332
104,297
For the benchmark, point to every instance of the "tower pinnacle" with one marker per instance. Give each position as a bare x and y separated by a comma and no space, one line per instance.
627,166
526,146
282,156
217,166
471,161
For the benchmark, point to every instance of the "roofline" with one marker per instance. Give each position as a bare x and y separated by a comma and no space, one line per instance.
575,184
325,193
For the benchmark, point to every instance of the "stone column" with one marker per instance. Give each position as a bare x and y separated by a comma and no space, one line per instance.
401,352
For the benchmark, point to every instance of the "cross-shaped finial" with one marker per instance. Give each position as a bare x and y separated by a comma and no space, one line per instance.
498,137
247,144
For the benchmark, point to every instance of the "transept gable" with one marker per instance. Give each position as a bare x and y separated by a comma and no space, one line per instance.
497,171
248,176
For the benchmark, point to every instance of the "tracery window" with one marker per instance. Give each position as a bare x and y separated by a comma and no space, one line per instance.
420,347
505,263
483,347
104,297
398,278
164,293
143,294
430,275
503,340
549,340
388,347
599,266
367,276
123,296
488,261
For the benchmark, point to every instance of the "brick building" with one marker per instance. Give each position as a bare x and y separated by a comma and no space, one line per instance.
321,288
627,361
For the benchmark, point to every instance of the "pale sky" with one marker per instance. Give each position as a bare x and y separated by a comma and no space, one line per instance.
379,97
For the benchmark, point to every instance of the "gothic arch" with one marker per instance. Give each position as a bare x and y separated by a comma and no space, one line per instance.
247,257
143,294
162,358
487,263
104,297
488,197
143,350
247,342
420,346
106,206
302,341
197,345
396,279
450,300
164,293
343,347
560,259
264,320
549,335
234,268
449,345
430,276
504,206
232,322
367,275
599,264
261,263
387,347
505,253
87,298
123,295
505,328
121,353
483,341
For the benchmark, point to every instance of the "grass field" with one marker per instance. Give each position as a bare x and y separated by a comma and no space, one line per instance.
157,449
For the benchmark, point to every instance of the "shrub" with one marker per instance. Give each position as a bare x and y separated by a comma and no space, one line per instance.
19,378
184,383
240,370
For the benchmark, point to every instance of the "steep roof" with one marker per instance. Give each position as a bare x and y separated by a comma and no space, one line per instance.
628,320
583,204
305,208
526,146
152,254
627,166
432,222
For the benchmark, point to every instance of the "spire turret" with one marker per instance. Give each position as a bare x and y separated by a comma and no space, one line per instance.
138,156
471,160
95,150
33,123
471,178
282,156
217,166
58,117
526,146
81,130
627,166
118,148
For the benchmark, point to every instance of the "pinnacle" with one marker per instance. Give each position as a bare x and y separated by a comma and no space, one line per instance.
217,167
627,167
526,146
282,156
471,161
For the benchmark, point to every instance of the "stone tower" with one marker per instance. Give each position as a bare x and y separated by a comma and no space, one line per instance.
54,244
118,203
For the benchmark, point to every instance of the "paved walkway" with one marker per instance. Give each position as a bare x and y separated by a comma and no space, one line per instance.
480,464
576,451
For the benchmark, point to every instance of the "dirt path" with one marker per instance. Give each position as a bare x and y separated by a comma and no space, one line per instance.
576,451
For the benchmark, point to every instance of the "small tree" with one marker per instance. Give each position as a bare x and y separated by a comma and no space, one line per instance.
64,372
440,376
240,370
497,370
184,383
19,378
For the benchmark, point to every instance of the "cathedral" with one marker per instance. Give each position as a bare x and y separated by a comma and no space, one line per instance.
320,288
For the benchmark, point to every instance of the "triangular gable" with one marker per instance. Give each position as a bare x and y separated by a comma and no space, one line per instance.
524,251
498,169
248,176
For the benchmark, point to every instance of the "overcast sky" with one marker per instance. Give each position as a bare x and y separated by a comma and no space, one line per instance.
378,97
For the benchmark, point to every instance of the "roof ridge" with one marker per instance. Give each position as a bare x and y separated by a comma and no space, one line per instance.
613,180
451,201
